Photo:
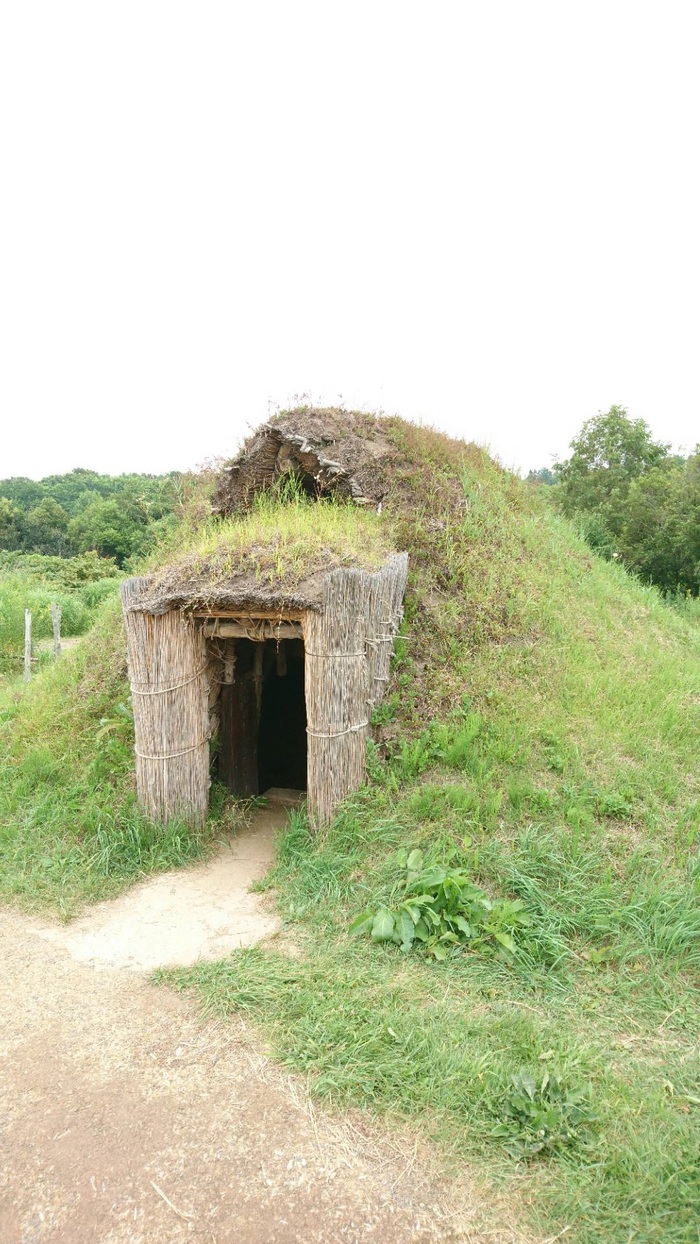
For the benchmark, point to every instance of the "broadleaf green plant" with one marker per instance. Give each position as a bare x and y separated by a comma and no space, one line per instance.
539,1115
443,912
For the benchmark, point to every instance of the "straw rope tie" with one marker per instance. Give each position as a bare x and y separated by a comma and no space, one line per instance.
172,755
337,734
331,655
163,690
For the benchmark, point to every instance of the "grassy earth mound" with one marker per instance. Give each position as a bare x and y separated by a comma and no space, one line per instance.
542,733
541,736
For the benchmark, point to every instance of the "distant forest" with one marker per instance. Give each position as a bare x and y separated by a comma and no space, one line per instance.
83,511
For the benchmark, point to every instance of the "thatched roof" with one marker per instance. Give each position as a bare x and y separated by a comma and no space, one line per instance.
339,452
268,555
244,592
173,589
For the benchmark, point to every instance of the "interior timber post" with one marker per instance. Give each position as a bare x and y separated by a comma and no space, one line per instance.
171,716
240,717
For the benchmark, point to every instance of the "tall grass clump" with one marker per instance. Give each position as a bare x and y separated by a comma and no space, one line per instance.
34,581
18,594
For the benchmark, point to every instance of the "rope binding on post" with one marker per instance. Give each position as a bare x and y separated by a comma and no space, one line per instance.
164,690
172,755
337,734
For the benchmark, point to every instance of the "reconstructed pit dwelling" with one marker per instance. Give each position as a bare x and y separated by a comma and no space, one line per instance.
284,676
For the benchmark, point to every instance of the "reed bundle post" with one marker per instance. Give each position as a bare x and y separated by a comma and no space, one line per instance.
336,692
384,614
170,693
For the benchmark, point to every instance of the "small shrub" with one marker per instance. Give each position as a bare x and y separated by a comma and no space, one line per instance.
443,913
93,594
539,1116
597,535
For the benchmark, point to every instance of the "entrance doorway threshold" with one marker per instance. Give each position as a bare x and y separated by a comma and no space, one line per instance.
284,797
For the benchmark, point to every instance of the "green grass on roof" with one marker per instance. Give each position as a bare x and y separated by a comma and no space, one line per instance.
281,539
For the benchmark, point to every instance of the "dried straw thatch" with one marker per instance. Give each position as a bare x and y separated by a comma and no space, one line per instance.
238,589
337,452
240,593
348,647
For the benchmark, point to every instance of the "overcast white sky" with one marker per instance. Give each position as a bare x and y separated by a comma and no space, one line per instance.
484,215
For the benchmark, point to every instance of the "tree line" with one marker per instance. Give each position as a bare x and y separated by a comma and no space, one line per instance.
633,499
82,511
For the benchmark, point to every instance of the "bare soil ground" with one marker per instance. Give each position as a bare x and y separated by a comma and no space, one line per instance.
124,1116
175,919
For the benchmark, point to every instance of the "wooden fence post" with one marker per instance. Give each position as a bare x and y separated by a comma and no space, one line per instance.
56,624
27,644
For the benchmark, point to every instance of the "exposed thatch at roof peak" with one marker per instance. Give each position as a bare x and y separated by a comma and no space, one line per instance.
345,453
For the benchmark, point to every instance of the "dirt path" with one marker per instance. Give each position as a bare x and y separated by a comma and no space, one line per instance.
126,1117
175,919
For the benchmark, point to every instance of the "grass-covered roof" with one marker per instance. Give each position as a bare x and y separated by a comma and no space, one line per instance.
274,556
310,492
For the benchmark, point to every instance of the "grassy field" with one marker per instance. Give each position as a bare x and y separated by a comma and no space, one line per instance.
541,735
31,581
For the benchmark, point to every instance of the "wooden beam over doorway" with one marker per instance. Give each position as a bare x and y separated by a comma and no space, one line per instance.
256,629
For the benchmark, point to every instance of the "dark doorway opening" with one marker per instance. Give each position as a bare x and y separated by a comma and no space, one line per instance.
263,718
282,729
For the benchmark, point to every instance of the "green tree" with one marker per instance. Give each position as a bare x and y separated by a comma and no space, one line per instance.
610,452
35,514
11,525
111,527
45,528
541,476
84,499
660,540
24,492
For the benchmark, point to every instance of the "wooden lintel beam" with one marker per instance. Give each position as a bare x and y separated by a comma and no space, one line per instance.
238,630
288,615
